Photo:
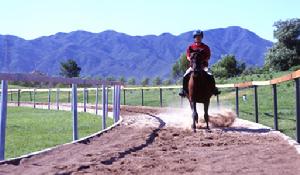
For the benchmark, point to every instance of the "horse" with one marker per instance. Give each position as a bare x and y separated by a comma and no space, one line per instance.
200,87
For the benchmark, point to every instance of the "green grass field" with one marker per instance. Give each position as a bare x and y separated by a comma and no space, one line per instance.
31,130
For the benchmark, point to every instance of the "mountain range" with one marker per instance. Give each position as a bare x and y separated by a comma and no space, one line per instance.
111,53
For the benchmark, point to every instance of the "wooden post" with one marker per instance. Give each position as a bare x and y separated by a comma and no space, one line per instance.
237,101
3,116
297,86
275,106
142,97
74,111
256,103
57,98
103,107
160,97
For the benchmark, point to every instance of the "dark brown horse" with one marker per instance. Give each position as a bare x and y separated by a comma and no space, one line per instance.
200,87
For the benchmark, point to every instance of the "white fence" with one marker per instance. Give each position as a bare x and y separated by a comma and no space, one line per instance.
116,86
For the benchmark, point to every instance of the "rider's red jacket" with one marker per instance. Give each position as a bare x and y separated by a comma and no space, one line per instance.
196,46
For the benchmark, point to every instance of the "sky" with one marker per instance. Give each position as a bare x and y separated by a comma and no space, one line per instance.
30,19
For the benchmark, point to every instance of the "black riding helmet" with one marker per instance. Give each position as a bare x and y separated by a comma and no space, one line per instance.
198,33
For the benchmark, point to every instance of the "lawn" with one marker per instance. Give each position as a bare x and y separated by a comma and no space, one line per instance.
31,130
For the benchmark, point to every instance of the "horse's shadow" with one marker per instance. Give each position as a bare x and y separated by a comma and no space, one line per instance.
150,139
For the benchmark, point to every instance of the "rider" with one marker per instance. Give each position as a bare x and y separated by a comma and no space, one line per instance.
197,45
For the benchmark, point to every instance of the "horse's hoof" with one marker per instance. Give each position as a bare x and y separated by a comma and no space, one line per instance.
208,130
193,127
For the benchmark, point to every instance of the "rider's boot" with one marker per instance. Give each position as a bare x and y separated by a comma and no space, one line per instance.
216,91
184,90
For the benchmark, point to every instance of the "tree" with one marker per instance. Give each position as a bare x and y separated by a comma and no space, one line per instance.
286,52
180,67
69,69
280,58
131,81
228,66
167,82
122,79
145,81
110,78
157,81
288,33
98,78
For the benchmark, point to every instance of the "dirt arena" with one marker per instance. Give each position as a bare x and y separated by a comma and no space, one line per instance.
148,141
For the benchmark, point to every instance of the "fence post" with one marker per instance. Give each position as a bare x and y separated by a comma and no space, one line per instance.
160,96
256,103
34,91
115,103
275,106
57,98
297,82
87,95
142,97
69,99
30,95
3,118
119,101
103,107
237,101
84,99
74,111
19,96
218,101
124,102
96,103
49,98
11,95
106,99
181,102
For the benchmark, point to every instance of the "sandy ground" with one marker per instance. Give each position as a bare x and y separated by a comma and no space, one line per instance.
159,141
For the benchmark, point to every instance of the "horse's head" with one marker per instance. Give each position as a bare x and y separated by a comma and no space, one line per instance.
197,61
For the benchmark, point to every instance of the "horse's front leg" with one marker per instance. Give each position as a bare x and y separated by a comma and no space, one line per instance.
194,114
206,117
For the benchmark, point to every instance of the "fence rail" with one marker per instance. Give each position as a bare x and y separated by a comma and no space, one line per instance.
116,88
5,77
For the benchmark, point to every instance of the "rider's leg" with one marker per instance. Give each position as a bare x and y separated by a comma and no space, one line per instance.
215,90
184,90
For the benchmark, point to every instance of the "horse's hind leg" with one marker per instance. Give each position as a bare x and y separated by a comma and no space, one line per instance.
206,117
194,115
